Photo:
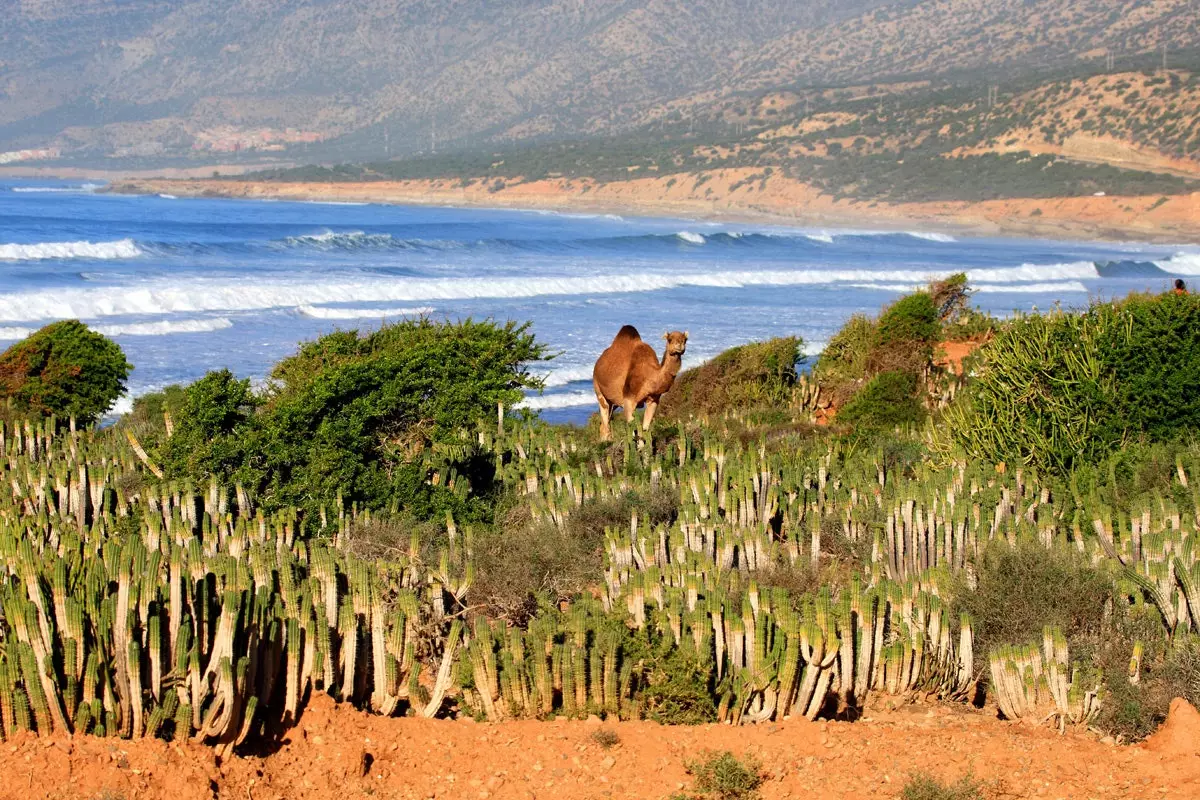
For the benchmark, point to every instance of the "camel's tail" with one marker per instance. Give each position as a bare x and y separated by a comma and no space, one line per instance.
628,333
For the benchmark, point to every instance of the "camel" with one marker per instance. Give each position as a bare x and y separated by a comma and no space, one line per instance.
629,374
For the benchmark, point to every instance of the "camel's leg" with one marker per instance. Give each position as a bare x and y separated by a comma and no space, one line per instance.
605,415
628,406
648,415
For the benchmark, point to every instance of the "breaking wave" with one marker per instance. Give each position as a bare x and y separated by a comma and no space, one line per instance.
560,400
165,327
363,313
1181,264
123,248
209,295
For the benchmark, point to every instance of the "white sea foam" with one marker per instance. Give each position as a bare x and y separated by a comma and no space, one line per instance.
814,348
317,312
824,238
932,237
168,197
561,377
985,288
165,327
559,400
123,248
1181,264
210,295
331,239
9,333
86,188
691,238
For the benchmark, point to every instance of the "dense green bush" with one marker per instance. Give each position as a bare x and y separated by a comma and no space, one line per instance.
887,400
1064,389
760,373
1151,347
906,334
354,417
66,370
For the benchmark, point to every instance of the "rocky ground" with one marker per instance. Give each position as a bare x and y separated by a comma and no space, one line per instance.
336,751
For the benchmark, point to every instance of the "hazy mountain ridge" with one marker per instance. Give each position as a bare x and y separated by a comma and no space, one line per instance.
139,78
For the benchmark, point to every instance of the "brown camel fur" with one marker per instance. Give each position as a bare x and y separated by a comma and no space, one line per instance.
629,374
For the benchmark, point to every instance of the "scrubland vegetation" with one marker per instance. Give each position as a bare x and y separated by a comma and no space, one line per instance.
1016,532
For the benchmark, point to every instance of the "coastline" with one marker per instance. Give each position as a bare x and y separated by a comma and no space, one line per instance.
729,195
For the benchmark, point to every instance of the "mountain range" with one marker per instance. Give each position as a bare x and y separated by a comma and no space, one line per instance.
168,81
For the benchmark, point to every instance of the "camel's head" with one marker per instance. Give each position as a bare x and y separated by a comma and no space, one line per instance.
676,343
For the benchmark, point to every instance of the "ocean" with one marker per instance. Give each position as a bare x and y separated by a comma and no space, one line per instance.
190,285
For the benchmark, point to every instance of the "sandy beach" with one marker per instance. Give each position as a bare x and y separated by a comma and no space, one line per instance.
725,194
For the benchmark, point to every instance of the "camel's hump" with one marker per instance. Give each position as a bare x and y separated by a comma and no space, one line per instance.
628,333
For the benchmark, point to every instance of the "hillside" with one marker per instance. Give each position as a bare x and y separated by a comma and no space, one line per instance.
143,82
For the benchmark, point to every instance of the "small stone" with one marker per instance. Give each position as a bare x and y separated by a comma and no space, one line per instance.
609,762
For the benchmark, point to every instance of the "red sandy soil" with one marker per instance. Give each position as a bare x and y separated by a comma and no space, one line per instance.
336,751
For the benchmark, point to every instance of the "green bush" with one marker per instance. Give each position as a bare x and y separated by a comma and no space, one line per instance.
1151,347
887,400
723,776
1065,389
354,418
844,359
210,432
65,370
925,787
906,334
1043,396
675,685
1022,589
760,373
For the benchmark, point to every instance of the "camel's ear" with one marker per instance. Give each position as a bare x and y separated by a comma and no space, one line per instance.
685,334
666,335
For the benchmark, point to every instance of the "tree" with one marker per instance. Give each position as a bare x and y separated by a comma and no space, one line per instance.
66,370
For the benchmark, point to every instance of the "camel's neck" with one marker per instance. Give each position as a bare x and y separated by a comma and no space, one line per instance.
668,368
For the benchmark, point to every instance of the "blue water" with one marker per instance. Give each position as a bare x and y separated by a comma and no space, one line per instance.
189,285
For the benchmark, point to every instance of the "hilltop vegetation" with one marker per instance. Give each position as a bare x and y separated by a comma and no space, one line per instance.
1131,133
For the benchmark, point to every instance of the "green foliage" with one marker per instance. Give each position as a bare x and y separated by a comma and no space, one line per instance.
1023,589
676,684
65,370
1064,389
906,333
1151,348
354,417
147,419
887,400
760,373
1042,396
722,776
926,787
844,359
210,435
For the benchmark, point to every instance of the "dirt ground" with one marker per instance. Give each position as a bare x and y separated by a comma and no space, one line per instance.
336,751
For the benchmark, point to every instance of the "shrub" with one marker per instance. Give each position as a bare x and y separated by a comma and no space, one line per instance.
906,334
1042,396
887,400
65,370
722,775
354,417
1024,588
1064,389
760,373
675,685
925,787
1151,347
606,738
209,437
844,359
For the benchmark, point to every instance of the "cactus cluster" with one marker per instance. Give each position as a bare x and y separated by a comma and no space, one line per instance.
134,606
